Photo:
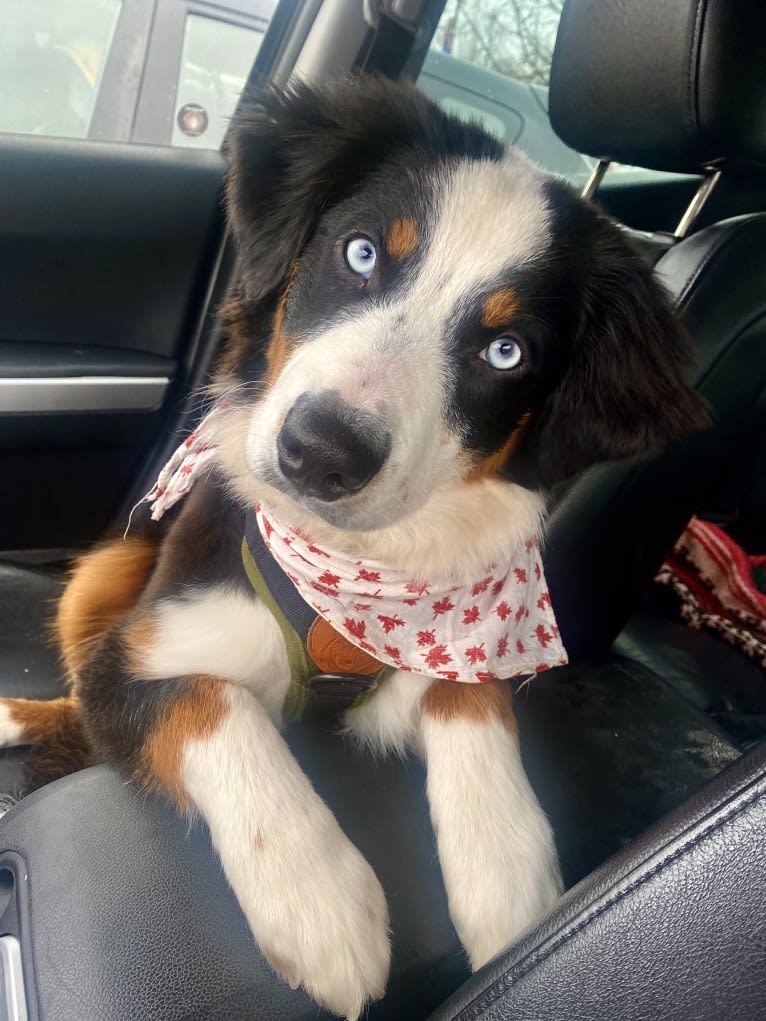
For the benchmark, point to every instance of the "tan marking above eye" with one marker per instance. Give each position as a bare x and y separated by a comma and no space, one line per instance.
499,308
402,239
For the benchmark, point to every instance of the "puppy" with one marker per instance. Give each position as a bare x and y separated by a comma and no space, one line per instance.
429,334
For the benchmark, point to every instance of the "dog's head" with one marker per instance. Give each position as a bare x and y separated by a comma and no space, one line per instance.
434,311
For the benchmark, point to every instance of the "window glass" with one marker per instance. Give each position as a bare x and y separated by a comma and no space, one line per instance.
490,61
52,57
215,62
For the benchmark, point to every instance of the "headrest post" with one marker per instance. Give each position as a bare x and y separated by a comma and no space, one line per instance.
595,178
695,206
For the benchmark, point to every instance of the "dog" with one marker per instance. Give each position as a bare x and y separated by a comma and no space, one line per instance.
429,335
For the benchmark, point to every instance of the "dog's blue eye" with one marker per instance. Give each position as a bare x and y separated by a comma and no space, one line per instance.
361,256
503,353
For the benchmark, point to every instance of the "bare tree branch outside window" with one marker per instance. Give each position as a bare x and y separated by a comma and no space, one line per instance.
513,37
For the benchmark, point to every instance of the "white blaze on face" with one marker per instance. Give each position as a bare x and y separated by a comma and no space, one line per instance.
392,360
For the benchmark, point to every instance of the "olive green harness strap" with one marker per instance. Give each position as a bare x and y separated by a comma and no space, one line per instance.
302,667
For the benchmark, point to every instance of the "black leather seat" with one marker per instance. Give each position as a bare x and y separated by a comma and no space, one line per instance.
122,913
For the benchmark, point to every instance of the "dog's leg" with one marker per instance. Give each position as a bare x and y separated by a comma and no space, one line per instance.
53,727
313,903
495,844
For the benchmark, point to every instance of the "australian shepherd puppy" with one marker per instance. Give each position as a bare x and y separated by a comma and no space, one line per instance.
429,334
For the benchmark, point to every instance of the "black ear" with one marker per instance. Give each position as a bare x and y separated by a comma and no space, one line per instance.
622,394
294,154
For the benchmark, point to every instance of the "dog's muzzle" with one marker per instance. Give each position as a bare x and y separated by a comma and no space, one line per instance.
329,450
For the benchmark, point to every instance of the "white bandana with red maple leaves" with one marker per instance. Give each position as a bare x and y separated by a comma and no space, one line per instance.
499,625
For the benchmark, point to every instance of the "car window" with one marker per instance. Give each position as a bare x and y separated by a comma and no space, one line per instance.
215,62
490,61
52,58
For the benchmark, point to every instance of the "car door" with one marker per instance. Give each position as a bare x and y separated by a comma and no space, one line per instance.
112,256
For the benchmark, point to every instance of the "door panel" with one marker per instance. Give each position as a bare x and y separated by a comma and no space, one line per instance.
106,257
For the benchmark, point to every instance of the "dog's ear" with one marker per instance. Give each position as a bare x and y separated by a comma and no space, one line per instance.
295,153
622,394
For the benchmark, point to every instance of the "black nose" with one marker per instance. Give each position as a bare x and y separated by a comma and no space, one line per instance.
328,449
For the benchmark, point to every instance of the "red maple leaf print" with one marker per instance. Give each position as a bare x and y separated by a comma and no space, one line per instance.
437,656
538,571
357,628
449,675
319,552
530,545
392,651
361,607
367,647
471,615
287,540
389,623
372,595
521,575
268,528
543,601
324,589
367,575
503,610
520,614
541,668
497,588
328,578
411,602
544,637
418,588
426,637
476,654
442,606
484,676
188,468
502,647
481,586
520,647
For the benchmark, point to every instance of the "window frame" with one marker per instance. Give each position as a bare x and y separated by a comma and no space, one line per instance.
154,121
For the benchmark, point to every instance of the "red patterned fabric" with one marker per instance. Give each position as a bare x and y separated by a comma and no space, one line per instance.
498,625
713,578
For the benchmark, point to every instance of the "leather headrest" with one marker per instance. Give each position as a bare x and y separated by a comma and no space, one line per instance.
665,84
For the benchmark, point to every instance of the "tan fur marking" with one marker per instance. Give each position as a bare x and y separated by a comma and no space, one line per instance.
54,727
279,347
258,842
496,461
402,239
238,332
196,714
138,637
103,588
499,308
450,700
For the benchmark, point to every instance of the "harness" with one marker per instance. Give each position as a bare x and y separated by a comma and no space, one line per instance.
327,671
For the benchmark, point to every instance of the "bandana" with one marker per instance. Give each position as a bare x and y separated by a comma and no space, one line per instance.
498,625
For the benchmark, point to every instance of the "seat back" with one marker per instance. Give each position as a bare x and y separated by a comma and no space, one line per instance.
669,85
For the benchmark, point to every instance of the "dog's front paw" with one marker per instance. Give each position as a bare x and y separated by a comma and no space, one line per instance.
325,925
511,878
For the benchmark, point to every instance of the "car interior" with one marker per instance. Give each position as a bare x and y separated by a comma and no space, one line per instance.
647,751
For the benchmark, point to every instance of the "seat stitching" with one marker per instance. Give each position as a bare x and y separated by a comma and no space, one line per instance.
507,981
